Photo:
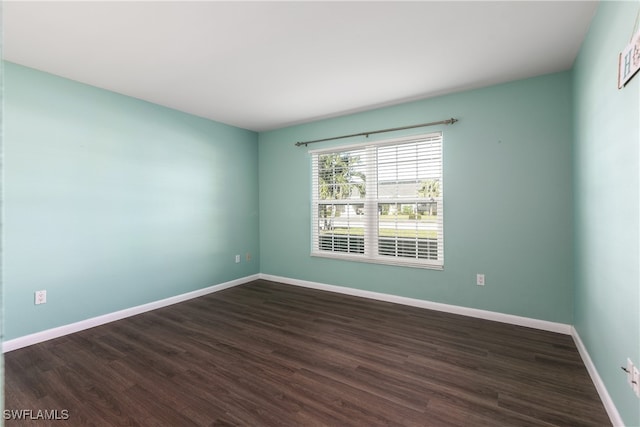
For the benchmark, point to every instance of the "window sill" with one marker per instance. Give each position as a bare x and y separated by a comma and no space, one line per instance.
380,260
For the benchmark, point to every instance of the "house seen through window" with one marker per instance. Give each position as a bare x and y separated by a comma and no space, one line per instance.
380,202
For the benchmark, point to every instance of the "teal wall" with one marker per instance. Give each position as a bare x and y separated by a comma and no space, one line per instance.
607,204
1,222
508,200
111,202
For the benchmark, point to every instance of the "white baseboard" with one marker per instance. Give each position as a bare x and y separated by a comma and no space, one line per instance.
609,406
48,334
465,311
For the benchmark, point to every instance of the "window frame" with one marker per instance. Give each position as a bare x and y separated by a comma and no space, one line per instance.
372,202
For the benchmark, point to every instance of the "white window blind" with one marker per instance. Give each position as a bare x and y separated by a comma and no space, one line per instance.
380,202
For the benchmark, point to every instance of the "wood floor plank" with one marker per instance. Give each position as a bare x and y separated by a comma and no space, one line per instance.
271,354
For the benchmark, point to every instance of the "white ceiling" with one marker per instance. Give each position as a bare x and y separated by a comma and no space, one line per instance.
265,65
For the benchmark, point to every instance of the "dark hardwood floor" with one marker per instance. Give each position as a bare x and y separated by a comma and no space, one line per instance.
272,354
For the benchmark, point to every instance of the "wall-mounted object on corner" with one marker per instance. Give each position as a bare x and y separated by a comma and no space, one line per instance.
629,61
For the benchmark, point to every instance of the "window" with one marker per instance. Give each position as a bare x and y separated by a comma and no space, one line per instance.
380,202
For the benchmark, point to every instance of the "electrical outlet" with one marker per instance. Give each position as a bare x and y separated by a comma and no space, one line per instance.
480,279
635,380
40,297
237,259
